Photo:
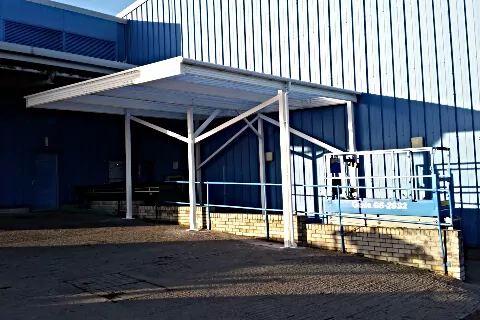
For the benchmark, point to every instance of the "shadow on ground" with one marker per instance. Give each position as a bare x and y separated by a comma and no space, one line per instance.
163,272
62,220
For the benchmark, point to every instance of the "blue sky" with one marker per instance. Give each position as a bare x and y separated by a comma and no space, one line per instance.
106,6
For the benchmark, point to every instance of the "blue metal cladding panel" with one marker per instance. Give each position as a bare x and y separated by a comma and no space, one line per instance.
416,63
34,36
154,31
239,161
83,152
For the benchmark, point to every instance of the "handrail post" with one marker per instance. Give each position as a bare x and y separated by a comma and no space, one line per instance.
340,220
450,204
209,221
436,208
267,225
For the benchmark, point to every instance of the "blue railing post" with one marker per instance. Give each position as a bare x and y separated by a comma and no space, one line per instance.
437,208
209,222
450,203
340,220
264,204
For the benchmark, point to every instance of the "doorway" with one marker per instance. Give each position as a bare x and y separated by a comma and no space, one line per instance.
45,182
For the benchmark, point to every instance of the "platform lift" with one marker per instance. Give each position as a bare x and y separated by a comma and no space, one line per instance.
389,187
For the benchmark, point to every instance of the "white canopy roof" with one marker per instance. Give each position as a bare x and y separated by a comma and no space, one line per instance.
165,89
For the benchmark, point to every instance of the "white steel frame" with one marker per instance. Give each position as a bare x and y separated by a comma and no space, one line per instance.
179,87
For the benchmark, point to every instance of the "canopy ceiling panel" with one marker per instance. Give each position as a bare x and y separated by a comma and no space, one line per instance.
165,89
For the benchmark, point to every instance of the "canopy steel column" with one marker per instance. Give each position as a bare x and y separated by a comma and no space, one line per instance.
263,177
191,169
352,145
128,167
197,165
289,239
261,162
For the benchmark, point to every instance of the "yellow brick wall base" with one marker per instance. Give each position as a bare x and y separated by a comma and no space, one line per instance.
412,247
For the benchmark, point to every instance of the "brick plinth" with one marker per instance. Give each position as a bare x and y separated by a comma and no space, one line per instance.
418,248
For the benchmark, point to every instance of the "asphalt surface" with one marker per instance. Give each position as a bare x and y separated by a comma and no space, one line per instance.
77,266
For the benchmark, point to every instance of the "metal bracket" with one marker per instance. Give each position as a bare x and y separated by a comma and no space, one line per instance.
288,86
448,264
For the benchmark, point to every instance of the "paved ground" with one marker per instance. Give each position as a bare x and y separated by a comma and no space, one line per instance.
75,266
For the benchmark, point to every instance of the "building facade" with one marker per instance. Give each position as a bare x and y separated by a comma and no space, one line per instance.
414,61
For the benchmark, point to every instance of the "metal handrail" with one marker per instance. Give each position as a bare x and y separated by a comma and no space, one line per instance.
339,214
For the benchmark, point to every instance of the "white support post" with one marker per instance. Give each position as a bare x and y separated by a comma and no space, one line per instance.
191,170
128,167
352,146
261,161
197,166
289,238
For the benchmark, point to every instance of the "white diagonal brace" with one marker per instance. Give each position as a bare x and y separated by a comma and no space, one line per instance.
303,135
160,129
206,123
251,127
237,118
226,143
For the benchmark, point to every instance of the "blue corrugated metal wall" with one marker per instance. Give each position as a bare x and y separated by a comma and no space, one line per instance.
154,32
37,25
239,161
84,143
415,60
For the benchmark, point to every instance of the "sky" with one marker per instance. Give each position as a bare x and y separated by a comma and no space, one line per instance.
106,6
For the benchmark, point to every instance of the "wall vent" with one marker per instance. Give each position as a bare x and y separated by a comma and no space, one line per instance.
90,47
34,36
46,38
